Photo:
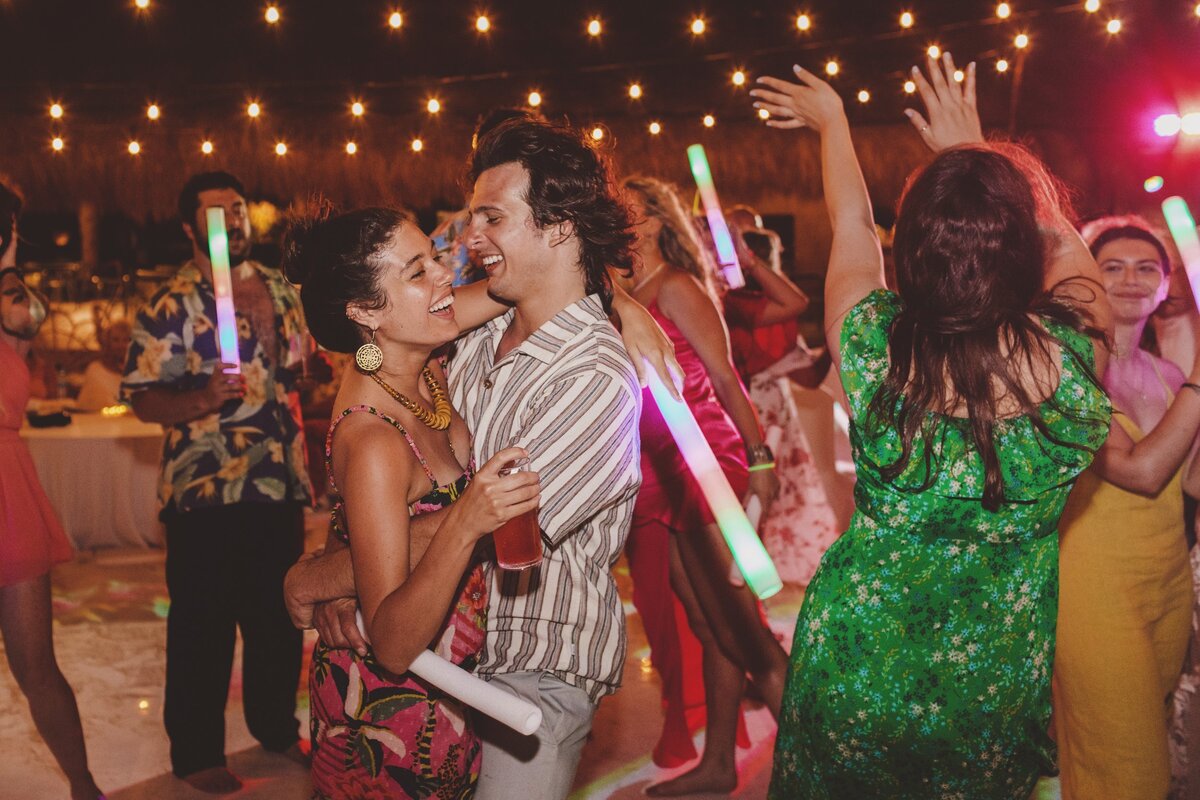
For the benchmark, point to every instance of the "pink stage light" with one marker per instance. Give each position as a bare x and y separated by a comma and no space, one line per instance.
1190,124
1168,125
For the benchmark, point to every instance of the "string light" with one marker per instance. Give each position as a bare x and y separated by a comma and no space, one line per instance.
272,14
1190,123
134,148
153,112
253,109
1002,65
832,67
864,96
709,120
1113,27
534,99
206,147
597,133
698,26
1004,11
959,75
934,51
906,20
739,78
482,24
141,5
57,144
635,91
1197,9
655,128
803,22
1021,41
764,114
351,148
395,20
56,111
1091,6
595,27
433,105
417,145
1168,124
910,87
280,149
357,108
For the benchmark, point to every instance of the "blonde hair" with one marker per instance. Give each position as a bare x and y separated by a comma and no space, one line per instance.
678,239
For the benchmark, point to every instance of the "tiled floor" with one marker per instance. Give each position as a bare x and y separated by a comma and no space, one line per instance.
110,637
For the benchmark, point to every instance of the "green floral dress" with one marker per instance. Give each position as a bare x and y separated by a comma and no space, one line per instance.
922,657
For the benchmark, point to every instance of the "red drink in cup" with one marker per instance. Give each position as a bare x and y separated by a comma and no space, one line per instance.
519,541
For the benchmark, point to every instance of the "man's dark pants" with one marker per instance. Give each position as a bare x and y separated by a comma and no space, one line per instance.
225,569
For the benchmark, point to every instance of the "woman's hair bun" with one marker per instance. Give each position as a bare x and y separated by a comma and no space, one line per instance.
301,239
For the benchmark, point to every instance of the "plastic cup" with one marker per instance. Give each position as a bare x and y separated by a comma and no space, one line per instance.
519,541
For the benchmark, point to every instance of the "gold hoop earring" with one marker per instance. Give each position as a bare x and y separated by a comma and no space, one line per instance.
368,357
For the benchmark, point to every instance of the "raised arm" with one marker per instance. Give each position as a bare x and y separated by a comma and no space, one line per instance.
784,300
855,260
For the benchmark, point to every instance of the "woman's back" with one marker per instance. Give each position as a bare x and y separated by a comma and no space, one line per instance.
927,636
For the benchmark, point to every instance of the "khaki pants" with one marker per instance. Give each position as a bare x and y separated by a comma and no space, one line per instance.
541,766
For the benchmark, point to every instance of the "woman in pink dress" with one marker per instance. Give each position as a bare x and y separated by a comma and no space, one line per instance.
31,538
372,286
676,552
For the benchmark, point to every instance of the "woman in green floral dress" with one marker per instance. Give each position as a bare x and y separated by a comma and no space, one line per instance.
922,657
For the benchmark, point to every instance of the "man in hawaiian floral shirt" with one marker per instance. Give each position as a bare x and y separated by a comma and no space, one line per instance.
233,484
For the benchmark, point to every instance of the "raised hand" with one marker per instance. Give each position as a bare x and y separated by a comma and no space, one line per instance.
953,116
491,500
811,103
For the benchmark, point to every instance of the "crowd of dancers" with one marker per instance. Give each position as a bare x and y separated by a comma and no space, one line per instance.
1012,598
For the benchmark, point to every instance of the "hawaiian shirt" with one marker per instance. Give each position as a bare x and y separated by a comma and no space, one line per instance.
250,451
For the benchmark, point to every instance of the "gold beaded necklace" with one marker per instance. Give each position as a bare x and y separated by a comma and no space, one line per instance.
439,418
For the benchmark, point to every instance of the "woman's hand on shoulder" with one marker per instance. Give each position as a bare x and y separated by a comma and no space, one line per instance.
493,499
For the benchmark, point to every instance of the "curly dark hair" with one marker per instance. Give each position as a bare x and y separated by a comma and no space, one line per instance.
336,260
569,181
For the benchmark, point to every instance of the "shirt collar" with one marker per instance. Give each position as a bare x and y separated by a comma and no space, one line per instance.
547,341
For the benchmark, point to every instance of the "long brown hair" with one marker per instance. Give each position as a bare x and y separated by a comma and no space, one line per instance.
677,238
970,266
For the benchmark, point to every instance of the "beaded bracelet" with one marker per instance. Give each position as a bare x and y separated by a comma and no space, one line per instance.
771,464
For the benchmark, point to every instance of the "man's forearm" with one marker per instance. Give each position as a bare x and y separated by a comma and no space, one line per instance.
326,577
169,407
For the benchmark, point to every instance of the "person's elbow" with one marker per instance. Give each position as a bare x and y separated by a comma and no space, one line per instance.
394,651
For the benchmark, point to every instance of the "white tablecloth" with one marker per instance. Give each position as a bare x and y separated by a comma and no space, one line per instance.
101,474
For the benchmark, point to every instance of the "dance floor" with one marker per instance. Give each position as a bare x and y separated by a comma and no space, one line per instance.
110,635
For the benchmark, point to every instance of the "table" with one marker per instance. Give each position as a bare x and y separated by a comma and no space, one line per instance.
101,475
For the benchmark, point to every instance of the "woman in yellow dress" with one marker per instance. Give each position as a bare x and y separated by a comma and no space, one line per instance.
1125,584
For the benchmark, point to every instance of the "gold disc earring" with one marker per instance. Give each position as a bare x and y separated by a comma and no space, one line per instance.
368,357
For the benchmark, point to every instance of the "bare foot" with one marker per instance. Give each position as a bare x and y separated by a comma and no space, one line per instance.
710,778
214,780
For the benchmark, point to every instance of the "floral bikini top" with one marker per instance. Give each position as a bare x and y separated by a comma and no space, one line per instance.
437,498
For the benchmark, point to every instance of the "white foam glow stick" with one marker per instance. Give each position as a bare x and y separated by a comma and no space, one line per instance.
747,549
520,715
1183,231
218,256
722,240
754,506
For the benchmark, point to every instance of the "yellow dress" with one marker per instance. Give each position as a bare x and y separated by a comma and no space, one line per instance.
1124,619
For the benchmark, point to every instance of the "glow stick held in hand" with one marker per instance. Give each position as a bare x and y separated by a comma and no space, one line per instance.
1183,231
218,256
747,549
520,715
726,254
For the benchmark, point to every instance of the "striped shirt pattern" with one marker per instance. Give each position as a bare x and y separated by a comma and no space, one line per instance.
567,394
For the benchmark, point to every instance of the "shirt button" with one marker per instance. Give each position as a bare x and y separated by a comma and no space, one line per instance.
487,383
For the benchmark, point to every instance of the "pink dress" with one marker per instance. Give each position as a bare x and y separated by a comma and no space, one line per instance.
31,538
670,503
377,735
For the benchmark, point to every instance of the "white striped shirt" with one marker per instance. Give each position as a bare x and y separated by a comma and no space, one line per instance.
567,394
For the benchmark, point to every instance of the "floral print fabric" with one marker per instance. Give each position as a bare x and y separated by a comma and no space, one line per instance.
252,451
379,735
922,657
